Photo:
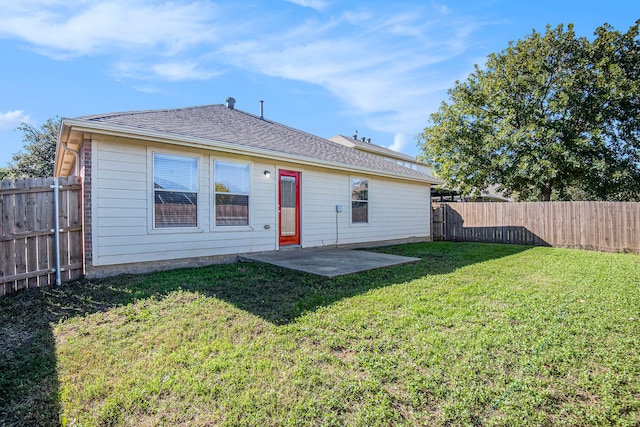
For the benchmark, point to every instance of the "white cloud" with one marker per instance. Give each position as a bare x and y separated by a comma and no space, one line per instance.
182,71
147,88
400,142
442,8
376,61
165,71
314,4
378,64
90,27
13,119
165,38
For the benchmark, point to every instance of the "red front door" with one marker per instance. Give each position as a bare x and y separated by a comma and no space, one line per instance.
289,207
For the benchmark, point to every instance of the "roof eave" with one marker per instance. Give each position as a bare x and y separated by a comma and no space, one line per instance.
206,143
58,156
67,146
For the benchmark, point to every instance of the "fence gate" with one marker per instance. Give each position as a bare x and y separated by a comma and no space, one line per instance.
27,245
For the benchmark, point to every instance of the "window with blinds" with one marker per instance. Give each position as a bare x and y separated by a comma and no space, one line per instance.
175,187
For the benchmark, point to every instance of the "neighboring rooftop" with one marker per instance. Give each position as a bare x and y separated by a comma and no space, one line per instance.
221,125
367,145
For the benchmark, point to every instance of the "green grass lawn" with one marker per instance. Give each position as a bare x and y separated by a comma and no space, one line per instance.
475,334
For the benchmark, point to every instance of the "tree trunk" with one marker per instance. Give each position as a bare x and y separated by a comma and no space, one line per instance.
546,193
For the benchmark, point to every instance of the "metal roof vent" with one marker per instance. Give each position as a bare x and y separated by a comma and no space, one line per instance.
231,102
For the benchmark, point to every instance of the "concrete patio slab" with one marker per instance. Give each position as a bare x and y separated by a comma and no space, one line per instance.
328,262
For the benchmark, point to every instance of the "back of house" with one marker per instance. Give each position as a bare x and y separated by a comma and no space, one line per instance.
197,185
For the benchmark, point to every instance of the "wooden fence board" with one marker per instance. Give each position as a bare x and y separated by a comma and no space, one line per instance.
31,241
44,221
64,244
606,226
20,227
8,224
75,234
437,224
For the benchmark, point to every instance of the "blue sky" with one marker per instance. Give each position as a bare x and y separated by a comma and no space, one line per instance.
324,66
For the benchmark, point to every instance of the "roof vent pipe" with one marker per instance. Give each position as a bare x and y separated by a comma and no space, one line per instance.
230,103
261,109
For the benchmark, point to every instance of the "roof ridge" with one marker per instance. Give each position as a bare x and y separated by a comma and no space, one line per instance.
138,112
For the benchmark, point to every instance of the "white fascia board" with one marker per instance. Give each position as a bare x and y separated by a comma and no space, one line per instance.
229,147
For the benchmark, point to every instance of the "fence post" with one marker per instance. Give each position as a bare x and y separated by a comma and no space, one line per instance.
56,222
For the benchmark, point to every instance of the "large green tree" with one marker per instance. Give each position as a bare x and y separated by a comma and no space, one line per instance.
37,157
552,115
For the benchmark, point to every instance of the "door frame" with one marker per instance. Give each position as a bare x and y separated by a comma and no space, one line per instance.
296,239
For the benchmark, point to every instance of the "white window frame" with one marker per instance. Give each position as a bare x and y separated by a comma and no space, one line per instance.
212,203
152,229
351,200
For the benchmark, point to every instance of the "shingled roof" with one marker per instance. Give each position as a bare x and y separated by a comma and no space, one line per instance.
218,124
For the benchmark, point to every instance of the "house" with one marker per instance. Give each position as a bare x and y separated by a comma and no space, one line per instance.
198,185
390,155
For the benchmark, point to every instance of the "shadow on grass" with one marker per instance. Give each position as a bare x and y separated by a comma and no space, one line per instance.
28,382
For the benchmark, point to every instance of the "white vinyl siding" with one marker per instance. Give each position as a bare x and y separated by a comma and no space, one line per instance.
397,209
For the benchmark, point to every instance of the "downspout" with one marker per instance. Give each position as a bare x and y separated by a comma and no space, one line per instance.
56,222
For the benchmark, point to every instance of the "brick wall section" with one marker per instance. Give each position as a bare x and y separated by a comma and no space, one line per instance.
85,174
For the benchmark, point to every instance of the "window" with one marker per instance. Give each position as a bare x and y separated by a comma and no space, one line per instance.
359,200
231,193
175,187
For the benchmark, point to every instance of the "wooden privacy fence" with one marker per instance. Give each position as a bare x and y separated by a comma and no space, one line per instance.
605,226
27,242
